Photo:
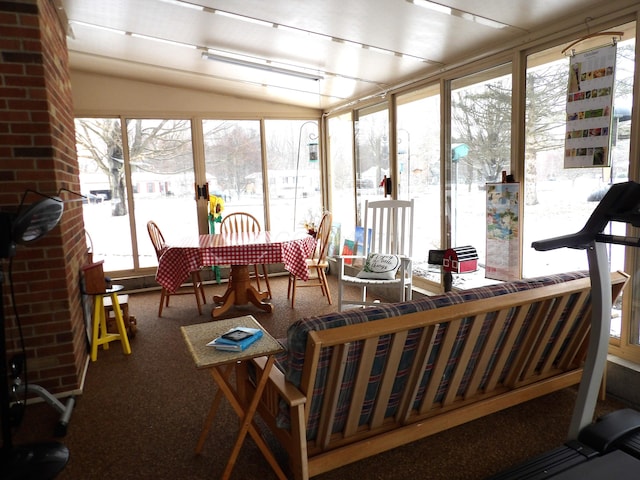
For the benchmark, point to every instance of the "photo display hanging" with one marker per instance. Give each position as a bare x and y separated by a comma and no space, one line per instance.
589,108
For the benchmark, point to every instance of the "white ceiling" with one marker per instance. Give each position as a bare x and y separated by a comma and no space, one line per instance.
358,47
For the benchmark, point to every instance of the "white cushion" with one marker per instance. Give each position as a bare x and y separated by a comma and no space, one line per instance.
380,266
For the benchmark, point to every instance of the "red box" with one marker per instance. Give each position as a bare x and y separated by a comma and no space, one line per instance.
460,259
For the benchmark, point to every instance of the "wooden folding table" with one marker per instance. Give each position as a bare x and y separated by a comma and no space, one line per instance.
221,364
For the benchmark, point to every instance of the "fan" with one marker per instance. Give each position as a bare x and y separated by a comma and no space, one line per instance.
42,460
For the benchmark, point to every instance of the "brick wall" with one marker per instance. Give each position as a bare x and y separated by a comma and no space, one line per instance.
37,152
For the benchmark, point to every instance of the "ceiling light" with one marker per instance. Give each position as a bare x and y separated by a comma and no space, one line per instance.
454,12
162,40
262,66
180,3
436,7
243,18
98,27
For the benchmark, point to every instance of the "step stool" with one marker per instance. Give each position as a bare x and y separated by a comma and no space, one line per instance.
95,285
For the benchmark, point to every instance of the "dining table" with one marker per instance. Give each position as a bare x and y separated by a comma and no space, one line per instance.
240,250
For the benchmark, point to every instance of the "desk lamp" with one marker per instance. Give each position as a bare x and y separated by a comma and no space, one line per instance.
42,460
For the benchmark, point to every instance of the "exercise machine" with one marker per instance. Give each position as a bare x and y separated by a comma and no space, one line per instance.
610,447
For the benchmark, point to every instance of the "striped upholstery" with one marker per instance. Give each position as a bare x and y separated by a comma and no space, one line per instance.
291,361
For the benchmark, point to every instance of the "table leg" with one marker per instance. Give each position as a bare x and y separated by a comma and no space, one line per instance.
247,424
212,411
240,292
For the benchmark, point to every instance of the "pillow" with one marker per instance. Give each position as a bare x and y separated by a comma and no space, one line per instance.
380,267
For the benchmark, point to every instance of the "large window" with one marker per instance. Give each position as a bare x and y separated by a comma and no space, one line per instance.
372,156
341,178
147,171
162,179
293,169
559,200
480,152
153,179
418,160
233,161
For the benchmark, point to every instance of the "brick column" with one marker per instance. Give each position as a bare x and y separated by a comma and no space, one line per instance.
37,152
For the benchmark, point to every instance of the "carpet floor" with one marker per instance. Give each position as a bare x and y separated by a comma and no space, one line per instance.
140,415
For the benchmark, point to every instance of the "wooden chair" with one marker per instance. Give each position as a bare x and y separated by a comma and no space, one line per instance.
245,222
317,262
388,230
157,239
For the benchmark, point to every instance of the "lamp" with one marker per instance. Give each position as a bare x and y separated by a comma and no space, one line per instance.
313,150
47,459
262,66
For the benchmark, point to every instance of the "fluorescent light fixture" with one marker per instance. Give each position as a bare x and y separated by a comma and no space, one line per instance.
454,12
180,3
436,7
267,67
379,50
162,40
98,27
243,18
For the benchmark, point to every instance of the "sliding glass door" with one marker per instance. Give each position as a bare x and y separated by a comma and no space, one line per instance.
130,176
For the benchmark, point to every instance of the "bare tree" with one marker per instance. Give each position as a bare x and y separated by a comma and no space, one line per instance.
233,155
482,120
159,146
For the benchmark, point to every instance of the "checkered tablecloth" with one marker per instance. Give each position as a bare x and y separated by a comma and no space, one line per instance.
190,254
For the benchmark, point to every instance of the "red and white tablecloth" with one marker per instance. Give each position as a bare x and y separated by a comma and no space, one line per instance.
180,259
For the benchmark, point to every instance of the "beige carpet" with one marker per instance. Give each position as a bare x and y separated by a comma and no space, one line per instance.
140,415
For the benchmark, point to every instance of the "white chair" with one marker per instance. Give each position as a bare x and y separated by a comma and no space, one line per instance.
317,261
388,232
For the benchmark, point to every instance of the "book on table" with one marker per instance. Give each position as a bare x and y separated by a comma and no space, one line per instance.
237,339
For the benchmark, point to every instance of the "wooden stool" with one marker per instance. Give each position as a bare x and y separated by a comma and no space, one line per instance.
95,285
99,334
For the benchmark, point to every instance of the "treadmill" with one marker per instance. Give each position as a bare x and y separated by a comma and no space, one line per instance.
610,447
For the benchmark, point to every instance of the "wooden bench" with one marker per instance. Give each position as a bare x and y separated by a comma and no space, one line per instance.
356,383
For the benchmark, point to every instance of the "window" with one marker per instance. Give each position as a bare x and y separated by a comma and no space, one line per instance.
294,174
480,152
418,158
341,181
372,156
160,155
233,164
153,179
559,200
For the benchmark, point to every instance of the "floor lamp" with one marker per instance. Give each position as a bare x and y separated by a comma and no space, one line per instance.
42,460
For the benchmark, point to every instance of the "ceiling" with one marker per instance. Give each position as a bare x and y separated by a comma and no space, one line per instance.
353,49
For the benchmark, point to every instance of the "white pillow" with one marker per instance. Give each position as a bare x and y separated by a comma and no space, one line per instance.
379,266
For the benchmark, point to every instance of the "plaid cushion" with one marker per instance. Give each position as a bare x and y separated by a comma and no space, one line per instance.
292,360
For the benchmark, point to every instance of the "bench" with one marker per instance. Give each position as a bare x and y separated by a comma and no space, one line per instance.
356,383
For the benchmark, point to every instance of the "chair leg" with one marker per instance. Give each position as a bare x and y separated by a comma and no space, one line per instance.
325,284
164,297
292,282
195,280
201,288
266,279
